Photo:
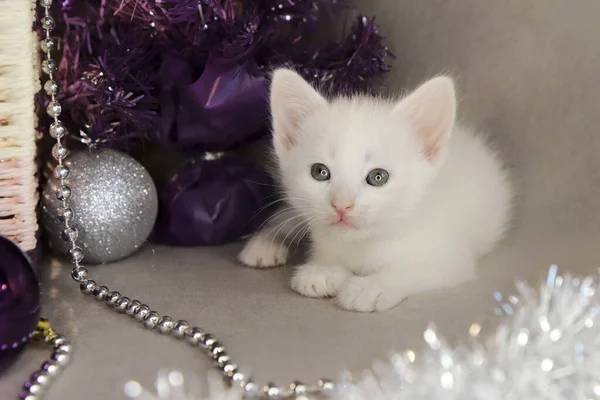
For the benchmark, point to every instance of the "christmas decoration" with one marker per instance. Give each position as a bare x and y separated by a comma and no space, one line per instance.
125,62
39,381
115,200
171,385
19,298
546,348
193,75
211,202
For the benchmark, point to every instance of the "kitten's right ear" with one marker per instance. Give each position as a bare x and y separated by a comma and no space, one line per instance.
292,100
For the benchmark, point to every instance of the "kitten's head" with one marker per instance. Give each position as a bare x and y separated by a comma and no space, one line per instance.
354,166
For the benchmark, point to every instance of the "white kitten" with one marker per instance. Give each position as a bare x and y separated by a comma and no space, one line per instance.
398,200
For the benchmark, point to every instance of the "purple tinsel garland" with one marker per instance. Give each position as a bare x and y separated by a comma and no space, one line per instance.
113,50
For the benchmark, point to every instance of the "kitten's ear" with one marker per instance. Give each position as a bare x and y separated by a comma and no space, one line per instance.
431,110
292,100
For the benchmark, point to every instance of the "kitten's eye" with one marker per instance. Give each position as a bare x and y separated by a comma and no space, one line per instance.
378,177
320,172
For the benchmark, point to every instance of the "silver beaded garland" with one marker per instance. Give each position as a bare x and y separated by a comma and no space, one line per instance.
165,325
140,312
112,298
180,329
87,287
121,304
100,293
132,307
151,319
34,388
194,335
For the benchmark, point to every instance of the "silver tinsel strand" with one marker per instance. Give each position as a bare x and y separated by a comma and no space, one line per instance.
547,347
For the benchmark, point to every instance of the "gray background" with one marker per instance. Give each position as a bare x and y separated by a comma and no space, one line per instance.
529,74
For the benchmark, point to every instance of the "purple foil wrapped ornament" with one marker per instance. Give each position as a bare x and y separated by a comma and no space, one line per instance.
19,298
211,202
225,107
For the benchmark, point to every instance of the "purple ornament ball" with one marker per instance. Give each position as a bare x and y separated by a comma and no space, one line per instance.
19,298
212,202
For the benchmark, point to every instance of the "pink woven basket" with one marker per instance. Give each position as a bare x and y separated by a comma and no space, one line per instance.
19,81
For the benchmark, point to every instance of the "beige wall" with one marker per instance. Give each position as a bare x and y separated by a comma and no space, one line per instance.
529,74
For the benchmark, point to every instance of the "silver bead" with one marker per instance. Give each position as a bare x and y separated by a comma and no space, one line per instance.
54,109
41,378
326,385
180,329
250,387
61,171
141,312
100,293
271,390
62,359
238,377
65,214
216,350
132,307
87,287
229,368
33,388
65,348
63,193
207,340
48,23
45,3
57,129
70,234
58,341
51,87
47,44
51,368
151,319
165,325
49,66
59,152
79,274
76,254
223,359
122,303
194,335
26,395
298,388
112,298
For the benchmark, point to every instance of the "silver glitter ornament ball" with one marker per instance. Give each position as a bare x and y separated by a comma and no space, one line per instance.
114,203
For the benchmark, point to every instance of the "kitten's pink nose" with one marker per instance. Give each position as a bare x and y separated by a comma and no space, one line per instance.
342,209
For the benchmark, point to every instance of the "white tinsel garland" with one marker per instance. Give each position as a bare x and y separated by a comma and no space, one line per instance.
169,385
547,348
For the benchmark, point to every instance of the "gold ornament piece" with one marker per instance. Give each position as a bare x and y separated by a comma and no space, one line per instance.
44,331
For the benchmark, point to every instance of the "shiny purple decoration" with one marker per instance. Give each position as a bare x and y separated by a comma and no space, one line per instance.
19,298
225,107
113,49
211,202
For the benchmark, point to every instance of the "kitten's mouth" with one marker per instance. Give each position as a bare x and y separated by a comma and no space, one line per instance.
342,223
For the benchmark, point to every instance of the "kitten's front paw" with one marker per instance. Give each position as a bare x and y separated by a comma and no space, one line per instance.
366,294
319,281
262,252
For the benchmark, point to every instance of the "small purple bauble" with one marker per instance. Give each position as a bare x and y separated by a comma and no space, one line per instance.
212,202
19,298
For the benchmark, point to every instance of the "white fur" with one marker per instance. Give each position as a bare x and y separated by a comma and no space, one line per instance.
447,201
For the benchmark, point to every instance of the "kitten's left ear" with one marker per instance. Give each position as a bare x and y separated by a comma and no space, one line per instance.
292,100
431,110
